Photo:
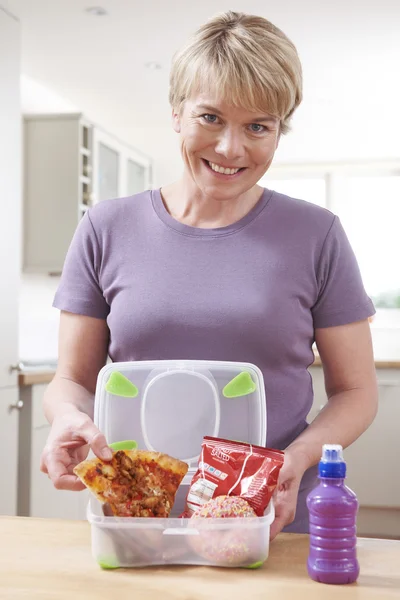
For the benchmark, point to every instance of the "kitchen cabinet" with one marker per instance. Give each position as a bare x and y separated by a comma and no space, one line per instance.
45,500
70,164
376,453
118,170
9,449
10,240
38,497
372,460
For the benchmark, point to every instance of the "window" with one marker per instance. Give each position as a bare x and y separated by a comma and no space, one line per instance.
312,189
369,208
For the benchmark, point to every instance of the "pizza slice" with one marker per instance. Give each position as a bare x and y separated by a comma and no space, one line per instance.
134,483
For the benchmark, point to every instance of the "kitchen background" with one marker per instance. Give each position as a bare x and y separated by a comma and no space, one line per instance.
84,116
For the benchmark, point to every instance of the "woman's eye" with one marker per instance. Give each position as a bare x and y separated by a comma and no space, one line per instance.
210,118
257,128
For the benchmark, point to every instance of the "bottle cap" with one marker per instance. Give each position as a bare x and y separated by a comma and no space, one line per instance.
332,464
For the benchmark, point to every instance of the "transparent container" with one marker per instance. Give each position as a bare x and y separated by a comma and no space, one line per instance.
169,406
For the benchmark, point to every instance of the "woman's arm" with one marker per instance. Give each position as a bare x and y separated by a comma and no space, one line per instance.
82,352
69,399
350,382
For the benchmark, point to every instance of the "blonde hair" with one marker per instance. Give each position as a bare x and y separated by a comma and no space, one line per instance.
247,59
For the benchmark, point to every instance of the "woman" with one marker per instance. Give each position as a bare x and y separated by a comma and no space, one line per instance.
215,267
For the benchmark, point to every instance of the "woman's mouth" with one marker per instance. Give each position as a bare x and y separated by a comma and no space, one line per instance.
225,172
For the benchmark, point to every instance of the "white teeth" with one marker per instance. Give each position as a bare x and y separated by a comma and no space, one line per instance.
219,169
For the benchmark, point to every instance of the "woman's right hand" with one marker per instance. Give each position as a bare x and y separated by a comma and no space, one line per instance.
72,435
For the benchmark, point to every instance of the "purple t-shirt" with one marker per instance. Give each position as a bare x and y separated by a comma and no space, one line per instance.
253,291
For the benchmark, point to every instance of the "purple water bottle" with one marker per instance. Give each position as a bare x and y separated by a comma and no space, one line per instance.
332,510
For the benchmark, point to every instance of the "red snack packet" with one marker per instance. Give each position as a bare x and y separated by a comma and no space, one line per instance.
234,469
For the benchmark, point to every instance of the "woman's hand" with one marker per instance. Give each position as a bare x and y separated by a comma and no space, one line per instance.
71,436
286,492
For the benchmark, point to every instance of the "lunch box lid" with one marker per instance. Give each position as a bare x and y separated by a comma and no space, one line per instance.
169,406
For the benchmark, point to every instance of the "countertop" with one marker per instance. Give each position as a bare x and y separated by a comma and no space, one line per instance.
33,377
51,559
379,363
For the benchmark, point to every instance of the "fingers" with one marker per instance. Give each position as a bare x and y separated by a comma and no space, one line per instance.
43,466
277,526
284,515
96,440
55,464
66,443
68,482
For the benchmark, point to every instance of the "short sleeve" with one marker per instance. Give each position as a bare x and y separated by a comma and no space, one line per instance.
79,290
342,298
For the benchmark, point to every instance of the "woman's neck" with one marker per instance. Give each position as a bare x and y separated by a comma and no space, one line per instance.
186,203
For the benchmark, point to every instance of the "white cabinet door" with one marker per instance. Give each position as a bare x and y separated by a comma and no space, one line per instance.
136,172
320,398
107,173
8,450
44,500
118,170
10,195
107,166
373,459
135,177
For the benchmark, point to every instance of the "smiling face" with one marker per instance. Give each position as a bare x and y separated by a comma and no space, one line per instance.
226,150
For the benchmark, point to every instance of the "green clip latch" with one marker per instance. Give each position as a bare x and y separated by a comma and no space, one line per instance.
241,385
119,385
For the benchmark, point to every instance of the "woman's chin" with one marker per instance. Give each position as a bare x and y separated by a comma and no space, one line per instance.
219,193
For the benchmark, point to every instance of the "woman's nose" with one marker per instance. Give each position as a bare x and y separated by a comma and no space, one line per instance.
230,145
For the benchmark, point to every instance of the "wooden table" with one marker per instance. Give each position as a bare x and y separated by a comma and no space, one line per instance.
45,559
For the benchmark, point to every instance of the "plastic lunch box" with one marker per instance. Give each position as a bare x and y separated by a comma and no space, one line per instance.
169,406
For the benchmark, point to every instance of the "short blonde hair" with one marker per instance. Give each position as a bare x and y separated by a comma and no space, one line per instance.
247,59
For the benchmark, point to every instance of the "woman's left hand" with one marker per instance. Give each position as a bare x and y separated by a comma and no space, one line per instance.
286,492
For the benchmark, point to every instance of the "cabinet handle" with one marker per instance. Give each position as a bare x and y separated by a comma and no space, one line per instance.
388,383
18,367
17,406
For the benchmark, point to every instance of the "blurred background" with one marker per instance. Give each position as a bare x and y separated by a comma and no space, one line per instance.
84,116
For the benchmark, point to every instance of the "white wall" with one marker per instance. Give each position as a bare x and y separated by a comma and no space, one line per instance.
10,237
37,98
10,191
